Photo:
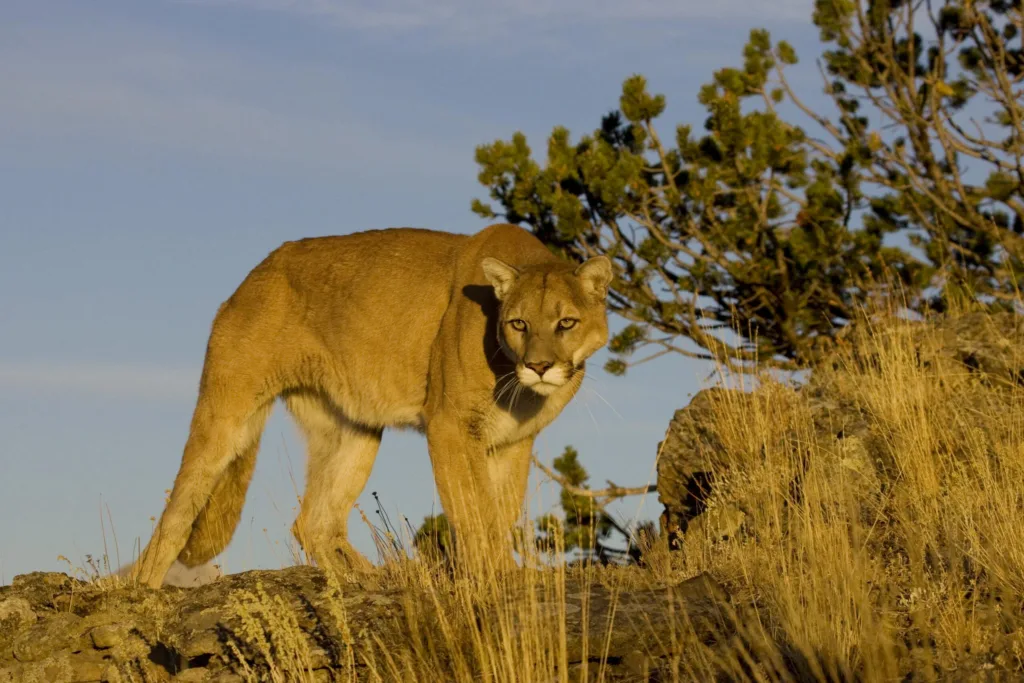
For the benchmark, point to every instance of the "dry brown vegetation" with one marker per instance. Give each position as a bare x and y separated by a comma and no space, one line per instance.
891,551
898,554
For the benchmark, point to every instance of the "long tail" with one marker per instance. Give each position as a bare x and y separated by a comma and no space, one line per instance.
216,523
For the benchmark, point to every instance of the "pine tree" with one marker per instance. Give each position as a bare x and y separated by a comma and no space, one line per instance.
753,241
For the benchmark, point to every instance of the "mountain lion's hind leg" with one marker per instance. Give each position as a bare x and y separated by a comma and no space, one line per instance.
340,455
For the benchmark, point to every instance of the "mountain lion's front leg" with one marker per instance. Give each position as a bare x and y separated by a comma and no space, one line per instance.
509,469
464,484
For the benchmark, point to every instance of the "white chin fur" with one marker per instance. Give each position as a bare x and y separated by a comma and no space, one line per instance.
544,388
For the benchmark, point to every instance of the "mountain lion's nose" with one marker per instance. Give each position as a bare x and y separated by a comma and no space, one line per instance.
539,368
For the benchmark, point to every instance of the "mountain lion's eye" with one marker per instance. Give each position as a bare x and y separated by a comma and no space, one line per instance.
519,325
567,323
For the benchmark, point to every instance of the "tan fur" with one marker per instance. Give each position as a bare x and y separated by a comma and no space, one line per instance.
457,336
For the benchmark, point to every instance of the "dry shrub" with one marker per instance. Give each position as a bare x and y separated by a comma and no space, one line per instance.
882,506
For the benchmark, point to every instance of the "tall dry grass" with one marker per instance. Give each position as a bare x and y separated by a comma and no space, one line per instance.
892,548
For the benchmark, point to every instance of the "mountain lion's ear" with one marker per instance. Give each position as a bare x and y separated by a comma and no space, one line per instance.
595,273
500,274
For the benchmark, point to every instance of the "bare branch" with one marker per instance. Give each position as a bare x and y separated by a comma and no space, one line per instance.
602,497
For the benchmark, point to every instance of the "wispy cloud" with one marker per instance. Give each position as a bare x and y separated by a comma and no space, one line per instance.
137,89
147,382
478,19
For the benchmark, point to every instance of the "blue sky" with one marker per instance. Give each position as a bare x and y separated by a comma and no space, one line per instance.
152,152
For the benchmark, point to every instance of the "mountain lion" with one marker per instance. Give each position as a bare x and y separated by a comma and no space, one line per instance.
478,341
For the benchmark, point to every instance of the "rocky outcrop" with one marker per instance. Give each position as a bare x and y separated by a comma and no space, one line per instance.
57,629
696,451
686,464
989,346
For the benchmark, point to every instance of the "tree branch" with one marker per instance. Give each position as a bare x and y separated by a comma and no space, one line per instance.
613,492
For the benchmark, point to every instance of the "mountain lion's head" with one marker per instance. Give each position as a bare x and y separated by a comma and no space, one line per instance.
552,317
